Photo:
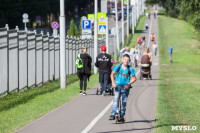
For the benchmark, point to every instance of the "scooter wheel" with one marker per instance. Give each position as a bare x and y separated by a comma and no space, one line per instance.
116,119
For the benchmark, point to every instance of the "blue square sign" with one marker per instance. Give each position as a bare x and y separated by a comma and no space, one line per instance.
102,29
86,24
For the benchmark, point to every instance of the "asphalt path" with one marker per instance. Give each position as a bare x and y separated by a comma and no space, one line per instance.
91,113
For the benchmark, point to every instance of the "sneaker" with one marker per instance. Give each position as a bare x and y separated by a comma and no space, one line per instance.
104,93
81,93
84,93
112,117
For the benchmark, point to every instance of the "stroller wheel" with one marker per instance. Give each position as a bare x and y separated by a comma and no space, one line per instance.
140,76
150,77
112,92
97,91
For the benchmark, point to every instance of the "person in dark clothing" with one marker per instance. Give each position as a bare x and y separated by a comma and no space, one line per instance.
103,62
85,72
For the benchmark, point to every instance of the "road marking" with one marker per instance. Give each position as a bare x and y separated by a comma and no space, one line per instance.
96,119
149,33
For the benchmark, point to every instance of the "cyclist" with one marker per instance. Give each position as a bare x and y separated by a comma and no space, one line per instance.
123,80
152,38
147,26
139,42
143,41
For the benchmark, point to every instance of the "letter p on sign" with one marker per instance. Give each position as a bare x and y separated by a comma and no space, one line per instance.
86,24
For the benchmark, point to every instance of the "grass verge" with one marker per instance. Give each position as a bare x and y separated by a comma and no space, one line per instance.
138,32
179,83
19,109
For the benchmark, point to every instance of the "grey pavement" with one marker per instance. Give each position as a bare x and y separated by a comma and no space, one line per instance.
76,115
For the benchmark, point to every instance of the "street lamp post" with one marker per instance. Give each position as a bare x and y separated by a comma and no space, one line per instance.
122,11
62,45
117,27
133,25
127,20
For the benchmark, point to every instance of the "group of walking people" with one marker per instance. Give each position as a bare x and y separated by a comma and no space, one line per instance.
121,76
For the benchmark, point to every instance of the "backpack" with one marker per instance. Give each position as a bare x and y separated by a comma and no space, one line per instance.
129,71
79,62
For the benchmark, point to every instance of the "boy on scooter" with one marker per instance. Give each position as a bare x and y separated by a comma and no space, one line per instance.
124,73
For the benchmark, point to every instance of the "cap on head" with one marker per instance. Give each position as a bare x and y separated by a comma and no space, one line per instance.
103,48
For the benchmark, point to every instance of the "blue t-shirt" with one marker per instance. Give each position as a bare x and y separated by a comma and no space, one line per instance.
170,49
122,77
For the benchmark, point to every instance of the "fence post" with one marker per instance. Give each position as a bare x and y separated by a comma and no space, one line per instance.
18,54
7,58
35,60
42,58
48,58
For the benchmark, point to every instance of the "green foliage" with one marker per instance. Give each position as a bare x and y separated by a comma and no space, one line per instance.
80,27
187,10
73,30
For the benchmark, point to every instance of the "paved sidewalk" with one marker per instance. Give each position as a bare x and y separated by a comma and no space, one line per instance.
76,115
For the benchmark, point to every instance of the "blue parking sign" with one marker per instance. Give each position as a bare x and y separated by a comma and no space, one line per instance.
86,24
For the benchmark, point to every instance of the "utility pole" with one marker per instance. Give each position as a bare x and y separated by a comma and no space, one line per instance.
122,11
95,34
117,27
62,45
133,24
127,20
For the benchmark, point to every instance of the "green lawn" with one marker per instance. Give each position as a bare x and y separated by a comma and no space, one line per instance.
138,32
178,100
19,109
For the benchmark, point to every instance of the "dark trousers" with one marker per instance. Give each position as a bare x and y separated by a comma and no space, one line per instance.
104,77
83,79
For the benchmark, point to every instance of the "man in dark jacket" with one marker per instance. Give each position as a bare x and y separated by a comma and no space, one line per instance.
85,72
103,62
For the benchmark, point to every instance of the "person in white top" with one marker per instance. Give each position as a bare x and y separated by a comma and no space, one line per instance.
155,48
124,51
135,52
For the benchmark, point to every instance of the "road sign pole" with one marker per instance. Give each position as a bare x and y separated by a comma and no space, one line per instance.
127,20
107,45
95,35
62,45
25,26
122,10
117,28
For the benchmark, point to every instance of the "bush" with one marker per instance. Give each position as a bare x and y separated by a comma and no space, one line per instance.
73,30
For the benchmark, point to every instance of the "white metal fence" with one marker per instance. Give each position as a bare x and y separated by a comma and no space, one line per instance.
30,59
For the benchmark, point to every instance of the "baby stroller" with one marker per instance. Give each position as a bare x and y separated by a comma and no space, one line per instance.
145,70
109,89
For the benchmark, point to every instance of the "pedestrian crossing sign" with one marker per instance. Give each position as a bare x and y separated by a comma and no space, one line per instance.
101,17
101,29
91,17
125,2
